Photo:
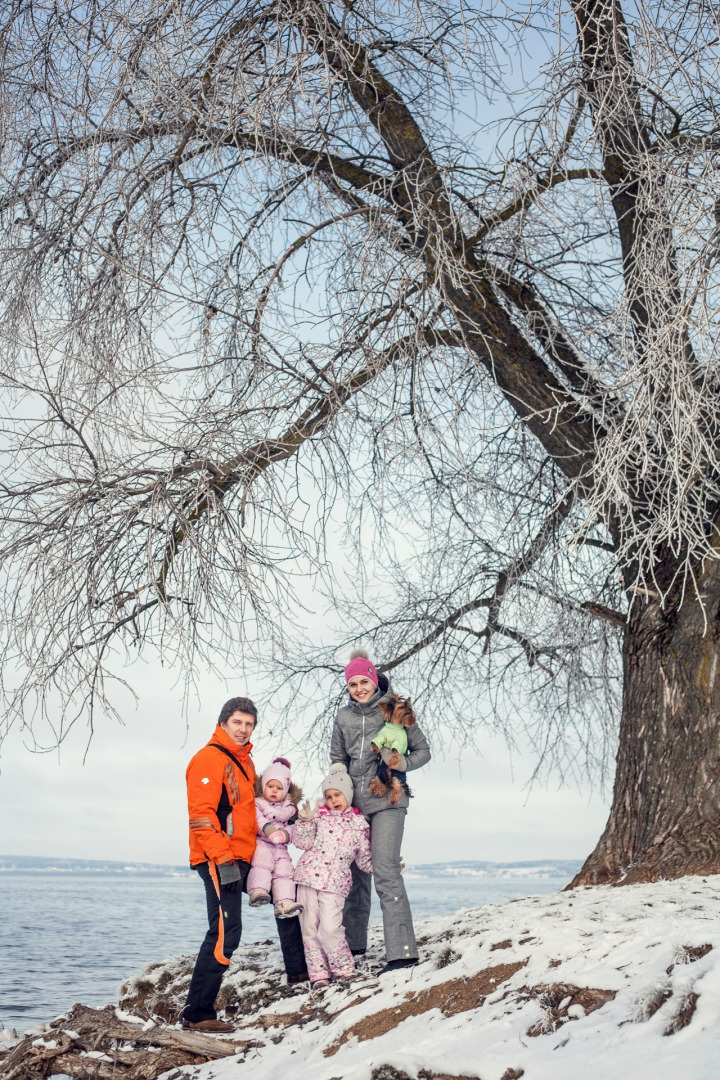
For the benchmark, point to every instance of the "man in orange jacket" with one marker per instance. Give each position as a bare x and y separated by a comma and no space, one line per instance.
221,802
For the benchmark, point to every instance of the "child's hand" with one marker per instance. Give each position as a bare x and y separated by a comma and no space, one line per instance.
305,811
279,837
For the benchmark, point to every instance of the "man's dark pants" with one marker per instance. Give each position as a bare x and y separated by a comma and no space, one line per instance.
223,938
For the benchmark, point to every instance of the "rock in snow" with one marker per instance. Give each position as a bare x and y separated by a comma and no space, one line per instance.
592,984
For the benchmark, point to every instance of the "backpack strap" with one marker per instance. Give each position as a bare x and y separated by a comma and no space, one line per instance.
229,753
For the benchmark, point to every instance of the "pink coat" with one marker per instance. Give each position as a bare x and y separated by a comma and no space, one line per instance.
274,813
272,868
332,841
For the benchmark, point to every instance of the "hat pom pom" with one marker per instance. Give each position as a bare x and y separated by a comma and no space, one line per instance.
281,761
337,767
363,653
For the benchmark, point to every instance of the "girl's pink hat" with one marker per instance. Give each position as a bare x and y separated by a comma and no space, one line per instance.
360,665
278,770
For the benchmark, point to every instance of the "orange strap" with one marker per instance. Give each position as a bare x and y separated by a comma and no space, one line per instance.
219,944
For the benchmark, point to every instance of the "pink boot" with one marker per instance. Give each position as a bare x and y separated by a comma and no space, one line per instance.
286,909
342,961
317,968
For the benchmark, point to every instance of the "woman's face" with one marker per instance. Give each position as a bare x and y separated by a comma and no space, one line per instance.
335,800
361,688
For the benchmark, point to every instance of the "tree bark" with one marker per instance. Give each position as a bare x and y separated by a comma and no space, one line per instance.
665,816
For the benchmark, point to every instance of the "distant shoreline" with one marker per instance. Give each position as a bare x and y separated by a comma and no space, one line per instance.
36,864
545,868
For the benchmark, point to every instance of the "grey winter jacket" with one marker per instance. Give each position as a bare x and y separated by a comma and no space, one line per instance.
355,725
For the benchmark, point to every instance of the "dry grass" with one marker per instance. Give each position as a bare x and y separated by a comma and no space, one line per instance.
454,996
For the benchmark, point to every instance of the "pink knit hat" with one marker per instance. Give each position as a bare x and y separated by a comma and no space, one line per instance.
360,665
278,770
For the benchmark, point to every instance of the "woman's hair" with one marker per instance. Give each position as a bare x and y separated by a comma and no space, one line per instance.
383,683
237,704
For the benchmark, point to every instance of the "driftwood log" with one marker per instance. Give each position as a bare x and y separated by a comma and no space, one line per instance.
93,1044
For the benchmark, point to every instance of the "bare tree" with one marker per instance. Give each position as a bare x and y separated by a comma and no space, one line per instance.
258,256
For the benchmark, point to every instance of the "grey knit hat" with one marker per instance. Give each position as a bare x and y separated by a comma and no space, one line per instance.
340,780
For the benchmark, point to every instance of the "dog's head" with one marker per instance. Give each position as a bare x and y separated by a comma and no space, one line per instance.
397,710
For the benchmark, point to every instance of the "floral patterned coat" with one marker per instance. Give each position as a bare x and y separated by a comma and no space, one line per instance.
332,840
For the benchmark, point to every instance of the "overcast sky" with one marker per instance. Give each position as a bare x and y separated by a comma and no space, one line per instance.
127,800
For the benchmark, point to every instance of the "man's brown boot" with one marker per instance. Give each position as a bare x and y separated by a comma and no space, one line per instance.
217,1027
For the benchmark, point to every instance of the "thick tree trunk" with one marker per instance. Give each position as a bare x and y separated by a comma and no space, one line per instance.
665,816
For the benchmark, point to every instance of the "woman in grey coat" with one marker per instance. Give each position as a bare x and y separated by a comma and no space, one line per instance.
355,725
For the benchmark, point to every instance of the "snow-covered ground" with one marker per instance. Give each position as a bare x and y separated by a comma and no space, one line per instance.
592,984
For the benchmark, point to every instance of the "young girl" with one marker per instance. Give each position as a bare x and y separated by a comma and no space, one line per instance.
333,836
272,869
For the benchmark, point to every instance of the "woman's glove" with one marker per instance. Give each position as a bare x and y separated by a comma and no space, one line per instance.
400,763
279,837
305,812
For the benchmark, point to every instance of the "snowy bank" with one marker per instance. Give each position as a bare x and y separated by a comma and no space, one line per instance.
584,985
591,983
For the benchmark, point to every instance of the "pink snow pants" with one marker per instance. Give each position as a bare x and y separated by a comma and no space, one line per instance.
326,950
272,870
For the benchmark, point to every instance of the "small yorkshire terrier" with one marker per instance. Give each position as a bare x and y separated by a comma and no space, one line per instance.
399,716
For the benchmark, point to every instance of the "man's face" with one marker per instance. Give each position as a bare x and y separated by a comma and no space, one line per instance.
239,727
361,688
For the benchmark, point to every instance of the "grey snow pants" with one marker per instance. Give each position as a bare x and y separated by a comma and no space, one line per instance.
386,833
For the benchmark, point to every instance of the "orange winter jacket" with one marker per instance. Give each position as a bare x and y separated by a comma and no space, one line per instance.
221,801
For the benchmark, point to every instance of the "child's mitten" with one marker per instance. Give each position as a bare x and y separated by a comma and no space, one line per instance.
279,837
305,812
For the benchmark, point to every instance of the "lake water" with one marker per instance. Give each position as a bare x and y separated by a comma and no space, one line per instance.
78,936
